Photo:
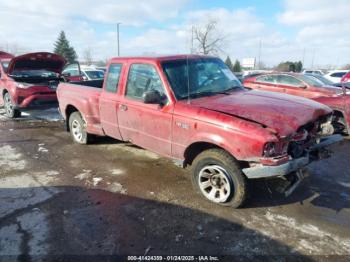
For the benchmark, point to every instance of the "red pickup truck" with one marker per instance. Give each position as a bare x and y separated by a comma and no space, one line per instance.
305,86
29,81
193,109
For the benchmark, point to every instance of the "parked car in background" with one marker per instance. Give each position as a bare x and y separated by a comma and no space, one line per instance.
29,81
193,109
316,72
336,75
75,72
345,78
343,84
322,79
308,87
327,82
102,68
239,76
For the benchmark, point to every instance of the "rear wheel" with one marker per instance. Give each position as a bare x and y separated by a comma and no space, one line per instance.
10,110
77,127
217,176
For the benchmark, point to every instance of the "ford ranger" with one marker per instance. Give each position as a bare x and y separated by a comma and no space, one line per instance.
194,110
29,81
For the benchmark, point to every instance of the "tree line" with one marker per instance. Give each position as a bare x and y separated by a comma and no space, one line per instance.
209,42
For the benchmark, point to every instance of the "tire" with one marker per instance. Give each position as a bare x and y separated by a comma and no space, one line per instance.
216,175
77,127
10,111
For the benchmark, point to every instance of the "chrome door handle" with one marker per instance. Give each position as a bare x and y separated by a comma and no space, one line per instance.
123,107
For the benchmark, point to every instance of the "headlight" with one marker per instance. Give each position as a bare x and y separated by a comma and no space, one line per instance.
270,150
23,85
274,149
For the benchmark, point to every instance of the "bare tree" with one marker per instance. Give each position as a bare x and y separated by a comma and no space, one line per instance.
208,39
88,56
13,48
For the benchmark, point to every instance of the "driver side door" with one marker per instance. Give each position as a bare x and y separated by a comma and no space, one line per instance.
146,125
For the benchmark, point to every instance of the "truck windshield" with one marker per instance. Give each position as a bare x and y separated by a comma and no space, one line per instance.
198,77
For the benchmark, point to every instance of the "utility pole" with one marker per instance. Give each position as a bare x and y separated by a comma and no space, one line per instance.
304,57
259,57
118,38
192,39
313,59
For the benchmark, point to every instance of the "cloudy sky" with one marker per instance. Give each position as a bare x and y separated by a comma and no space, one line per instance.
316,30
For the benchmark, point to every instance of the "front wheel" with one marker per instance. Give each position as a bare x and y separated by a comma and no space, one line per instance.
217,177
10,110
77,127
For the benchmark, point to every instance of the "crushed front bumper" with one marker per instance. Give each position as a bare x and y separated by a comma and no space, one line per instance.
264,171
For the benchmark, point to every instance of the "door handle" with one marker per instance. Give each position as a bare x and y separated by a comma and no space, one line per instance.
123,107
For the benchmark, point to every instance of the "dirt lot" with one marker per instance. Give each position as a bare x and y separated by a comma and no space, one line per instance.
110,198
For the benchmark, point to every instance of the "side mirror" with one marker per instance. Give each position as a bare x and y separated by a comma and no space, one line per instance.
152,97
302,86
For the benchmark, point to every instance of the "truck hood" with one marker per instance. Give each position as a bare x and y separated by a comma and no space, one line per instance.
283,113
37,61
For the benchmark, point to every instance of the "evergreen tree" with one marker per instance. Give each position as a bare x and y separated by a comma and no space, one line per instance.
290,66
237,66
63,48
229,64
298,67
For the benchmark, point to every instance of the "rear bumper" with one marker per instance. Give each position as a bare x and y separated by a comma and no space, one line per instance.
263,171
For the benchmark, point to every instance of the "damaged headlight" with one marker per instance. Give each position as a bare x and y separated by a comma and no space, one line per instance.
275,149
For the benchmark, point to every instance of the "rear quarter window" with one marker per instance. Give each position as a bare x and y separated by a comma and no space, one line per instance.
113,76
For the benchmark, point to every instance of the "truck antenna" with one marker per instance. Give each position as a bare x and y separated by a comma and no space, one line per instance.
188,82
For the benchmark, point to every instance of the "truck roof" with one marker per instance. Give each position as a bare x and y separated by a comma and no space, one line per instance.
159,57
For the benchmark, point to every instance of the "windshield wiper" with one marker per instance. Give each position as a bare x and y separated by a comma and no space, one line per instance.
229,90
200,94
212,93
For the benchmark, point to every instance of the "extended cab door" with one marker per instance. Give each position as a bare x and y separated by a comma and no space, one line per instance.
146,125
110,100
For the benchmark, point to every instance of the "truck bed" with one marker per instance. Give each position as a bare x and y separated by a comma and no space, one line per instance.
83,97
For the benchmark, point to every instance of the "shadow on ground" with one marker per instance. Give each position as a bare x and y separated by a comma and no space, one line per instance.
78,224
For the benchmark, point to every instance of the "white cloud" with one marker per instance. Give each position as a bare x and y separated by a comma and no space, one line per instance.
163,27
34,25
131,12
312,12
323,26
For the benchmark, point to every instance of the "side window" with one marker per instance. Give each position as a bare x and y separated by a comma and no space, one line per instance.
289,80
339,74
113,76
142,78
267,79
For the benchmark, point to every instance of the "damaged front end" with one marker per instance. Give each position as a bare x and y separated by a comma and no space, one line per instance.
287,158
